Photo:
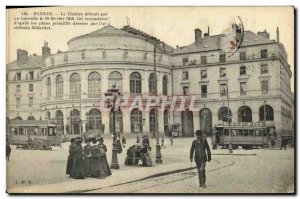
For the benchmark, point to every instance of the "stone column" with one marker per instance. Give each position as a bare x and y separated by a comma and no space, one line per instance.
66,93
105,121
126,82
126,121
84,84
196,120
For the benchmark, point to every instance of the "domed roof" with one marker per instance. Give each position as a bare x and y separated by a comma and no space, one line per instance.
106,31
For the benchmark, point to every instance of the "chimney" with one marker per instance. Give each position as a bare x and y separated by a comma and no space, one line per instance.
207,34
22,57
277,34
46,51
177,47
198,35
264,34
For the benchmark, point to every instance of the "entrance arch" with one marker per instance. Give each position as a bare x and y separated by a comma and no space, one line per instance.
245,114
187,123
206,121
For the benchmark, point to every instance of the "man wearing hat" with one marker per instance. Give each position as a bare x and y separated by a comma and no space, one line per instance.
202,154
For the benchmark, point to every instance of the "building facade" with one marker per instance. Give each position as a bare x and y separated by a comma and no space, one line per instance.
68,86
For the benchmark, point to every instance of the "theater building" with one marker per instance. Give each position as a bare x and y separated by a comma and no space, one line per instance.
68,86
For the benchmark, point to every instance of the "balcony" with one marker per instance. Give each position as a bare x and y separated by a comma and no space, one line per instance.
203,95
243,93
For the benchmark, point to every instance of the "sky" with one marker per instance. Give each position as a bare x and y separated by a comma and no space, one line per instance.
173,25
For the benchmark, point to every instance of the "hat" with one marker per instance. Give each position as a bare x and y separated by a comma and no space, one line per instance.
94,140
101,139
78,139
198,133
72,140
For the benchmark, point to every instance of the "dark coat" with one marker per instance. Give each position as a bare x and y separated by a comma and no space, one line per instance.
70,158
202,151
87,160
8,150
103,160
78,163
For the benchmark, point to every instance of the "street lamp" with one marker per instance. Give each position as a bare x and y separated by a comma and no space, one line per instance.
229,120
114,93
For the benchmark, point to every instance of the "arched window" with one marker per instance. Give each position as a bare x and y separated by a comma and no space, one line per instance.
94,84
135,83
95,120
48,115
48,87
115,78
59,86
75,85
222,112
166,122
18,118
118,121
60,121
152,121
266,113
136,121
245,114
75,121
151,84
30,118
165,85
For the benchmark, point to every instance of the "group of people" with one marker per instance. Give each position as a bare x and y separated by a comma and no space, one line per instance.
87,161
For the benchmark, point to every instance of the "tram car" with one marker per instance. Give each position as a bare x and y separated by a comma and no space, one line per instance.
33,134
244,135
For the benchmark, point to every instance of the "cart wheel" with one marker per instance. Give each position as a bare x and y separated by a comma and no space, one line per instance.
38,145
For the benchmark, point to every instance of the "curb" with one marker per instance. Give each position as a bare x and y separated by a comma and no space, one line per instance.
132,181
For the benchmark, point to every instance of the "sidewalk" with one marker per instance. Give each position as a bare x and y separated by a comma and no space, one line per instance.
134,173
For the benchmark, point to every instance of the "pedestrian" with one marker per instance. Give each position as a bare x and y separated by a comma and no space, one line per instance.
8,150
171,140
202,154
105,170
87,150
71,157
123,141
138,140
78,162
162,142
29,142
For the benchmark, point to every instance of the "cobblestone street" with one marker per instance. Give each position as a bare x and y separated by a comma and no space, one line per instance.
246,171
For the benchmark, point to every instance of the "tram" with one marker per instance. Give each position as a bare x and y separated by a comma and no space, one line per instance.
33,134
245,135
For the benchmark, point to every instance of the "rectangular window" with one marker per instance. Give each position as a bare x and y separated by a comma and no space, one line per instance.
203,91
264,53
242,56
30,102
265,86
203,60
264,69
30,87
223,90
243,70
185,75
31,74
203,74
243,88
185,61
18,88
222,58
18,76
18,102
186,90
222,72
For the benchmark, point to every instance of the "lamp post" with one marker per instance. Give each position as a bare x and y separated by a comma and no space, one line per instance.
114,93
229,120
158,153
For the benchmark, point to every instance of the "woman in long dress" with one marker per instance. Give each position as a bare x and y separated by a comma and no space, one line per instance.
78,163
103,160
70,157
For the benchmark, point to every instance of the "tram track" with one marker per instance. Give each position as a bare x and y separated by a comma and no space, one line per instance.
155,180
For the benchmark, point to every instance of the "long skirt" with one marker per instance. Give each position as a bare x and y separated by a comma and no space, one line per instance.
88,166
69,164
78,168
